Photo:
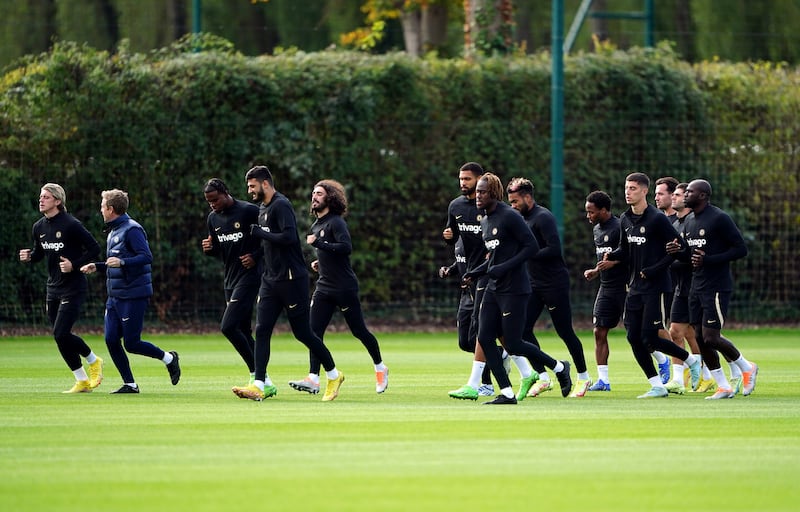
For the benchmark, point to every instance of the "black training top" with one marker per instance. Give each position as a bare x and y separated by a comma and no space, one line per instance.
714,232
606,239
283,258
230,239
680,270
464,219
333,246
510,243
63,235
643,241
547,268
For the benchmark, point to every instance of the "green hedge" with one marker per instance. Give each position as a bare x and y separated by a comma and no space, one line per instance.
394,130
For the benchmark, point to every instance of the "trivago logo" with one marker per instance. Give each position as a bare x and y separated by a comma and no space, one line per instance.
697,242
469,228
492,244
230,237
603,250
638,240
53,246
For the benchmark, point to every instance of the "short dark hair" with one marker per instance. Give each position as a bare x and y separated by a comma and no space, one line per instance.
260,173
474,167
682,185
520,186
640,178
600,199
337,200
669,181
216,184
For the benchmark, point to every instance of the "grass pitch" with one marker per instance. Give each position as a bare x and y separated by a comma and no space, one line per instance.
197,447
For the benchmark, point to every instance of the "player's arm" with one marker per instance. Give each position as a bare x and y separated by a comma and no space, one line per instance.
736,246
549,232
341,244
285,221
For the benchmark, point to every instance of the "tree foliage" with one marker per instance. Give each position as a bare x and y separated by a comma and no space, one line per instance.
394,130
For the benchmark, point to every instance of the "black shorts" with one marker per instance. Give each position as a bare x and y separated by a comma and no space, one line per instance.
679,313
645,311
709,309
608,306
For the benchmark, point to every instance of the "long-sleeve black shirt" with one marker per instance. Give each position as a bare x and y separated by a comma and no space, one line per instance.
63,235
283,258
713,231
546,268
643,241
510,243
333,245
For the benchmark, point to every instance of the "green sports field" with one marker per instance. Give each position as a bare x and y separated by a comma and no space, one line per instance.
197,447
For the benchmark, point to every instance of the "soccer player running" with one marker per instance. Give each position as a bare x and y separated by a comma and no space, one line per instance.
665,187
680,330
510,244
464,227
65,245
549,278
644,234
713,242
284,286
609,304
130,285
337,284
230,240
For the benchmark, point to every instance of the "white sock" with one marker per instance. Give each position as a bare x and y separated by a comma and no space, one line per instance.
691,359
523,365
507,392
583,376
655,382
380,367
660,358
167,357
475,375
267,381
131,384
719,378
744,364
559,367
91,358
677,373
80,374
736,372
333,374
602,373
259,384
314,377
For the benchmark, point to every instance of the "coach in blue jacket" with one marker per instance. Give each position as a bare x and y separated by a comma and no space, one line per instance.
130,286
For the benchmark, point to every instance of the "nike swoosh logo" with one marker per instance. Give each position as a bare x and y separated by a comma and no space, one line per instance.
480,289
292,306
41,236
126,319
217,229
711,321
65,301
345,309
458,216
507,313
550,308
656,322
232,301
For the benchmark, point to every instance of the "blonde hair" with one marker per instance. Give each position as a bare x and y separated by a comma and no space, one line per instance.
116,199
57,191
